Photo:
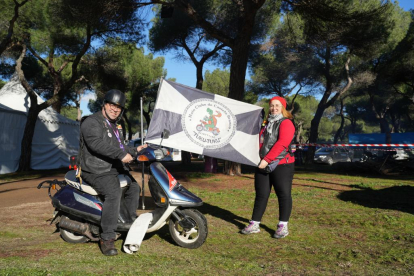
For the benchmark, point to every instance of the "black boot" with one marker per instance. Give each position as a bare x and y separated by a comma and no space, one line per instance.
108,247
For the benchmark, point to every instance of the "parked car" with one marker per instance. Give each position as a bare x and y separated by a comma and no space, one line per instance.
330,155
401,154
176,154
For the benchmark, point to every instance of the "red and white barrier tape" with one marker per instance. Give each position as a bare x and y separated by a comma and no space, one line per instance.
357,145
387,149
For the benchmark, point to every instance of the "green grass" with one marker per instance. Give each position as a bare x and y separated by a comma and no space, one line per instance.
197,175
340,225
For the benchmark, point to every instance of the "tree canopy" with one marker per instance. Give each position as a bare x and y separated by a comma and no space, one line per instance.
58,34
344,66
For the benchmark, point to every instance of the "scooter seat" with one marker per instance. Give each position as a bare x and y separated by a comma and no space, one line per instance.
73,181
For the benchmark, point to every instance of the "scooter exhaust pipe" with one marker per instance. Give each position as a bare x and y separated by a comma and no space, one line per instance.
72,225
77,227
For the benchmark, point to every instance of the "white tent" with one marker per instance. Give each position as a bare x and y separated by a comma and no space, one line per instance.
55,139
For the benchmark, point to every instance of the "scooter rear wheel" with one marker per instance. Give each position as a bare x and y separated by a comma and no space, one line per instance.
189,238
72,237
69,236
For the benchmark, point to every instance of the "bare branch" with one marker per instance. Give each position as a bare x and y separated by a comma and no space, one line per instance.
290,91
217,48
8,39
63,66
347,86
296,94
200,38
51,57
82,78
79,57
38,56
20,73
189,52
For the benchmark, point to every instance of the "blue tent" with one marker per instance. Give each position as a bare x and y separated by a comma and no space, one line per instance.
379,138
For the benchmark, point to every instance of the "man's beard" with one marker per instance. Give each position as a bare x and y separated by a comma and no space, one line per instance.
108,117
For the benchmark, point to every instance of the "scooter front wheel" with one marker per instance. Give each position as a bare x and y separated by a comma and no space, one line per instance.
190,238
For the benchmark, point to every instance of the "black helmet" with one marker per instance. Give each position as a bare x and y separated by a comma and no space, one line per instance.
116,97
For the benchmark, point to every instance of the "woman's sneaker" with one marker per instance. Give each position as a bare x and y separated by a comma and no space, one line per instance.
281,232
252,228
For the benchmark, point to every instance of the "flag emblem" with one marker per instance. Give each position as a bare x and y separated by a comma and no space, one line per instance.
208,123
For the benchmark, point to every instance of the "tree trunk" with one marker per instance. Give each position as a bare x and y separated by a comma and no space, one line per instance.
326,101
298,139
147,117
200,80
353,122
340,129
395,122
129,127
236,88
232,168
79,112
238,70
210,164
380,115
26,145
77,103
185,157
122,123
313,136
57,106
299,129
385,129
34,110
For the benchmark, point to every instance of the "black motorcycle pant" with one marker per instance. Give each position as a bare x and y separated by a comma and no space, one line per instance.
281,180
107,185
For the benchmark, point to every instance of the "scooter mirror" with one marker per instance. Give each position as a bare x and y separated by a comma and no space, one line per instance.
165,134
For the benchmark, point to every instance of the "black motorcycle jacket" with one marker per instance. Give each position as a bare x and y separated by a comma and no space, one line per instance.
99,146
270,140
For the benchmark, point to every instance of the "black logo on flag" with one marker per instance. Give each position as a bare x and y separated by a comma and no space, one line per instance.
208,123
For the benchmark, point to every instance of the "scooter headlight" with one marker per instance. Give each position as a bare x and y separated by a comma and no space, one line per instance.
159,154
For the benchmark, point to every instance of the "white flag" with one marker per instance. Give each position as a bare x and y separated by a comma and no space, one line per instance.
205,123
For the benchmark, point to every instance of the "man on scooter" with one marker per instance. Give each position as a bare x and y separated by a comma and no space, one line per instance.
103,156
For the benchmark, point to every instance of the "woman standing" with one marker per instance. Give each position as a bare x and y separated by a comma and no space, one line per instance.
275,139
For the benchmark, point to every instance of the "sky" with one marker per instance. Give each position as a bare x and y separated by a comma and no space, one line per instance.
184,71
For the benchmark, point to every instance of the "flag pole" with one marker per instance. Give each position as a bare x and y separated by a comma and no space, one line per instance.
143,165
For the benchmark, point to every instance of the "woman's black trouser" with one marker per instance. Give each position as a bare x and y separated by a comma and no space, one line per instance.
281,180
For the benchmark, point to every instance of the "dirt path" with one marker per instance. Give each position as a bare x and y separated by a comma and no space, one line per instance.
24,192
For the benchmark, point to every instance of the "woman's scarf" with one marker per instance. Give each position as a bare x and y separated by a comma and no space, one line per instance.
271,119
